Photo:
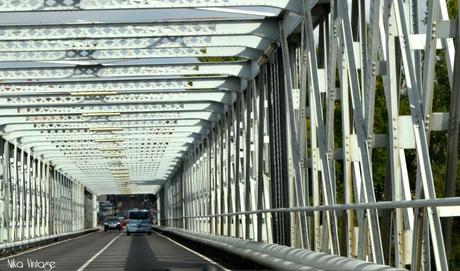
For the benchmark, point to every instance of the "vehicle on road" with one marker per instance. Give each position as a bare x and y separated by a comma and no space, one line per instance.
139,226
139,221
122,221
112,223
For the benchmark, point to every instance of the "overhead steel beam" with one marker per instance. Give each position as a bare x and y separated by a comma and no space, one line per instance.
159,171
64,163
262,28
76,5
96,152
87,98
89,144
248,41
125,54
26,141
176,71
114,163
56,155
121,86
121,108
55,119
87,74
137,131
88,125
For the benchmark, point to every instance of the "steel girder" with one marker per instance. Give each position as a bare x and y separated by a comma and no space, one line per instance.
273,144
139,30
47,5
121,86
90,148
40,201
54,119
168,146
144,98
125,54
116,163
178,146
145,153
64,143
247,41
329,88
121,41
121,108
103,154
175,71
118,131
104,124
85,121
97,137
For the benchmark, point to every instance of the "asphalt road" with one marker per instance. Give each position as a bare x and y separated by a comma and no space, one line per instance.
111,251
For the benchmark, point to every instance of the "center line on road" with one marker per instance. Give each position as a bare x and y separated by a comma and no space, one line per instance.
98,253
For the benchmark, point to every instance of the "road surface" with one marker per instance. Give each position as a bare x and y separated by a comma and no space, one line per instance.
111,251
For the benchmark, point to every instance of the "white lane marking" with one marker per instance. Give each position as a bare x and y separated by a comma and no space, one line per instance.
99,253
194,252
49,245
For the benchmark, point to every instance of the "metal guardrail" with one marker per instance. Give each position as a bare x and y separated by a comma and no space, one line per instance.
276,256
8,248
420,203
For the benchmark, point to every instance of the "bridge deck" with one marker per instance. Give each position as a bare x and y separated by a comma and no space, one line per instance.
135,252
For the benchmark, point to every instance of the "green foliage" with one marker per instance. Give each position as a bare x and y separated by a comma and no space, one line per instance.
442,90
438,139
381,113
452,8
379,157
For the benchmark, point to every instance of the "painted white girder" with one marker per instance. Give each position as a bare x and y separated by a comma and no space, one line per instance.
144,98
109,54
230,84
249,41
159,131
54,119
169,104
31,141
91,143
43,5
119,108
237,69
260,28
104,124
65,165
155,171
97,152
38,150
113,163
90,157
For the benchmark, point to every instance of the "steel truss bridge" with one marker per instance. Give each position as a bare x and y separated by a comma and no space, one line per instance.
256,122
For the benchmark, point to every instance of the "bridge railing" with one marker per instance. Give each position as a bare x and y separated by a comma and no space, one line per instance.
37,202
355,105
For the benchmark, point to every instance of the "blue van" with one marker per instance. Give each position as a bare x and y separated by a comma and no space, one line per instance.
139,221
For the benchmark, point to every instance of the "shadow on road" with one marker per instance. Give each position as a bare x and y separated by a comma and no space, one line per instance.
140,256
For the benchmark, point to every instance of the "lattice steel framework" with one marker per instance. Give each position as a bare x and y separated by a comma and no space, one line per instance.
61,89
302,134
38,201
231,120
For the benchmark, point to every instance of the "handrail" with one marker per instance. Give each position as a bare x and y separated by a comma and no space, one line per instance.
419,203
277,256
